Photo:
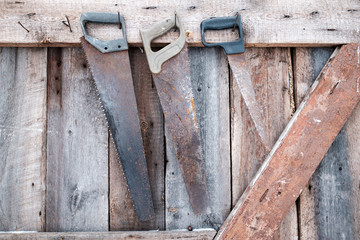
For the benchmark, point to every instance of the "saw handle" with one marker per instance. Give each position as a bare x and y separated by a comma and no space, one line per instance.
221,23
156,59
104,46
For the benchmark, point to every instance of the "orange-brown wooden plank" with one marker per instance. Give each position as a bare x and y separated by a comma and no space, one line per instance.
299,149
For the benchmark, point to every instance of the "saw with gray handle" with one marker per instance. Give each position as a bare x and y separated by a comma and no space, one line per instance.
110,66
170,68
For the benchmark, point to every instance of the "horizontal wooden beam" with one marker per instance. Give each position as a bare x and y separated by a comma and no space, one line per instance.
36,23
299,149
144,235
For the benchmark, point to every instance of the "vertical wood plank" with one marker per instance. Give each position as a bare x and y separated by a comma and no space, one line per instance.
122,212
353,188
22,138
270,70
308,63
210,81
328,204
77,156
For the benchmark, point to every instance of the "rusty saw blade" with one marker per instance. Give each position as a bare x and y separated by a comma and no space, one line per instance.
235,51
171,74
110,66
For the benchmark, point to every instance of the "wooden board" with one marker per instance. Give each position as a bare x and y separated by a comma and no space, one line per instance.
205,234
77,147
271,73
265,23
22,138
308,136
328,204
122,212
209,76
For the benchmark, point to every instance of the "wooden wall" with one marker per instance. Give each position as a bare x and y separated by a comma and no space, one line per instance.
59,170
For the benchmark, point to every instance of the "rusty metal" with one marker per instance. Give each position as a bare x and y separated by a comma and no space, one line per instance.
112,74
299,149
243,79
235,51
173,85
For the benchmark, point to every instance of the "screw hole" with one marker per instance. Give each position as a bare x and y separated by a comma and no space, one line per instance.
119,46
105,48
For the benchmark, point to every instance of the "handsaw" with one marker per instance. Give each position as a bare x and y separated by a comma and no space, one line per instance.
170,69
235,51
110,66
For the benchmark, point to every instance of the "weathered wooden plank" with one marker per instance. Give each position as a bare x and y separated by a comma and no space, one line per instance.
326,204
77,147
270,70
352,191
122,212
309,135
22,138
265,23
149,235
210,81
308,63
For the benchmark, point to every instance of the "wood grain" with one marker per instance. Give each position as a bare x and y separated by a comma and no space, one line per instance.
309,135
328,204
351,190
265,23
122,212
22,138
210,81
77,147
146,235
270,70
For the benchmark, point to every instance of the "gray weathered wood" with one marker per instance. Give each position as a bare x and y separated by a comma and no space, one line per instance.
209,73
328,204
270,70
22,138
352,190
265,23
203,234
122,212
77,147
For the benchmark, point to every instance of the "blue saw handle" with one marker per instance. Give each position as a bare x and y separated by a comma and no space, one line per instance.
221,23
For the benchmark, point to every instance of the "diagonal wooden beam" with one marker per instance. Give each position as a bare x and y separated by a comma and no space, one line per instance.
299,149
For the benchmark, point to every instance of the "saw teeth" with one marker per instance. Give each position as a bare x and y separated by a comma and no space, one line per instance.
107,125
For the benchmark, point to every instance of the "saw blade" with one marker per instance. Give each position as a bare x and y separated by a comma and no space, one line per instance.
174,88
243,79
112,75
